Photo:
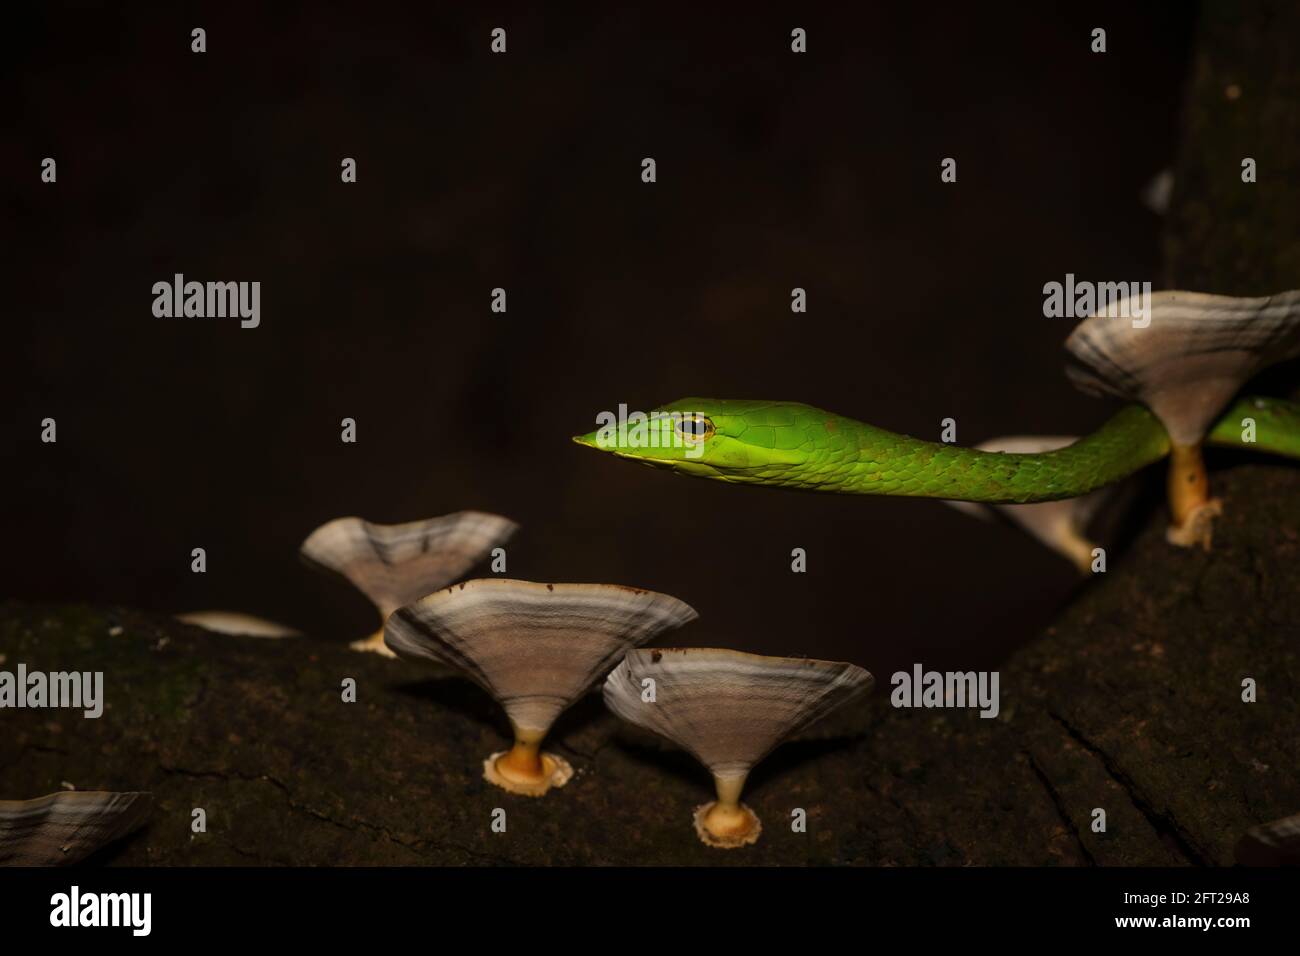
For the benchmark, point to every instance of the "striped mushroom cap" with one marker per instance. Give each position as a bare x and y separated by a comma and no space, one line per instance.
1192,357
68,826
727,708
536,648
396,564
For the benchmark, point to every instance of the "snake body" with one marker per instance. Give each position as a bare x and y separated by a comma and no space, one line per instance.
791,445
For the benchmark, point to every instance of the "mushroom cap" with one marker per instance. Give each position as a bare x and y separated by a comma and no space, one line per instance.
68,826
1192,357
237,623
727,708
536,648
395,564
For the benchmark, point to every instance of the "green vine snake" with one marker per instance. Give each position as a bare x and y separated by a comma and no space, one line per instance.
790,445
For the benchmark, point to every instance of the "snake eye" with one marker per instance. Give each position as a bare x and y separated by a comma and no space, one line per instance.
695,428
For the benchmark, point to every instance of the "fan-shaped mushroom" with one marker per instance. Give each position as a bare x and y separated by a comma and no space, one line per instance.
1060,525
1185,364
68,826
536,648
396,564
729,710
237,623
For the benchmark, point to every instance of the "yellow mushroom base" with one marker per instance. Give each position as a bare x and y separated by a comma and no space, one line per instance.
374,644
1197,526
726,827
1190,503
527,771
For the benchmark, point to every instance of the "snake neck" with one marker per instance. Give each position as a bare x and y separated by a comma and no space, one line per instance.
851,457
871,461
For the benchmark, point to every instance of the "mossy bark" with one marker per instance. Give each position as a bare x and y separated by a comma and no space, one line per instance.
1131,703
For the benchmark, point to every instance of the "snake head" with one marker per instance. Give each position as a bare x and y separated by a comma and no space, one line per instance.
725,439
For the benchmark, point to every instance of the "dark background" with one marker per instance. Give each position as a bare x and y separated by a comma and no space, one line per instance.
523,171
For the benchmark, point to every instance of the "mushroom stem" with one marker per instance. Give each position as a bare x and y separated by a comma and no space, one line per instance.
523,762
1190,503
1078,549
525,768
373,644
726,822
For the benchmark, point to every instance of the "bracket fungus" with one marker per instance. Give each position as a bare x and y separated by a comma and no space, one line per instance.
536,648
729,710
1185,363
67,826
396,564
1059,525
